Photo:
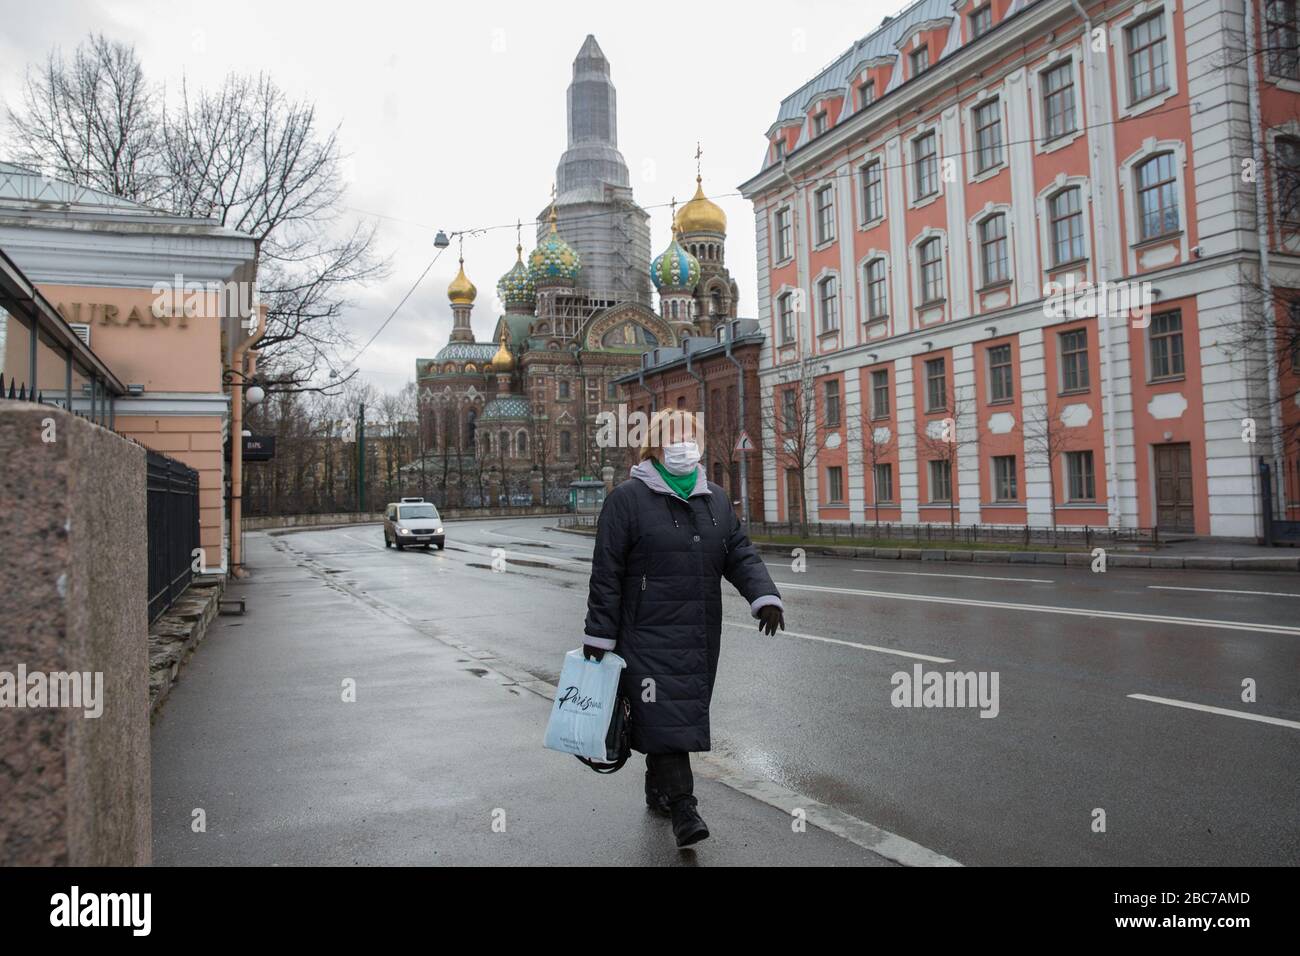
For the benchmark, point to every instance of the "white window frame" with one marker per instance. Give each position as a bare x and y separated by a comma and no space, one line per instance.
1074,54
909,145
871,159
819,243
872,256
1288,130
914,256
777,258
1128,196
912,71
1058,347
973,234
1046,244
1119,43
1290,84
972,176
816,304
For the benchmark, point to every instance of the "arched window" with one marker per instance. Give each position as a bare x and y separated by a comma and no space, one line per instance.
828,298
521,443
993,249
1157,196
1287,163
931,257
715,302
877,290
1066,214
503,443
448,430
471,427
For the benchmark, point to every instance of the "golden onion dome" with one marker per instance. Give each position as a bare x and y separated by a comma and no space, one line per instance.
503,361
700,214
461,291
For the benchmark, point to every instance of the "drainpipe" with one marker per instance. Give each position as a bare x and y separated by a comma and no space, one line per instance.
239,365
740,402
654,402
1265,279
1105,272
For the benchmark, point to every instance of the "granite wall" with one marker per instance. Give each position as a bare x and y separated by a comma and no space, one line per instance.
74,789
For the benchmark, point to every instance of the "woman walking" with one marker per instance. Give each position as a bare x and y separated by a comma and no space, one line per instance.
664,541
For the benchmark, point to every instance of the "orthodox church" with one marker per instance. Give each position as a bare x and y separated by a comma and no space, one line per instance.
513,419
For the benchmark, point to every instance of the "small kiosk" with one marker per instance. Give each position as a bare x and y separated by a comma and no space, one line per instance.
586,496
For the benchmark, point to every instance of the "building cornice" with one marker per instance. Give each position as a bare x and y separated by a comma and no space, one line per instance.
1003,38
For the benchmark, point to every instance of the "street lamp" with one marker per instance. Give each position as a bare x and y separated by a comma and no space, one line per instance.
254,394
440,241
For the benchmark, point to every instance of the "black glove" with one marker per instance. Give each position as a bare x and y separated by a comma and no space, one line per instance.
592,653
770,617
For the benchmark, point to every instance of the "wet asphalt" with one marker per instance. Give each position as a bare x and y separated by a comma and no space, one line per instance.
1072,770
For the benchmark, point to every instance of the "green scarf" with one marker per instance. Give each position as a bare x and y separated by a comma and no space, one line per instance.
682,484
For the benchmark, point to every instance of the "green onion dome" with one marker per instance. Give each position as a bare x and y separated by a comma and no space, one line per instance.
675,269
516,287
554,261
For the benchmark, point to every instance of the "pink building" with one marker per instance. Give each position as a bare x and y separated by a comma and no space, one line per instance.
924,196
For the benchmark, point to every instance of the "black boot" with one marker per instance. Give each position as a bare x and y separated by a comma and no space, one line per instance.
688,827
655,798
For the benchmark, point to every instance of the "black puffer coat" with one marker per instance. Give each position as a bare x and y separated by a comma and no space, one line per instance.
656,598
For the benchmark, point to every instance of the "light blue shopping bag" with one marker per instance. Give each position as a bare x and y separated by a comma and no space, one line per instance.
585,698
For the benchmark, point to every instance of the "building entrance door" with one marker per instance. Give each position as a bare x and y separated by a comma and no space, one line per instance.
792,495
1174,510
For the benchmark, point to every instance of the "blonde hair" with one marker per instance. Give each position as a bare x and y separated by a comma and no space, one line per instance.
669,425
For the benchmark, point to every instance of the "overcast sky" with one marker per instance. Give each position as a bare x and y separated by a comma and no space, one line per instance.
453,113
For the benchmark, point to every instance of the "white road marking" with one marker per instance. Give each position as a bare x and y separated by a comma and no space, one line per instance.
1162,587
836,640
549,544
1049,609
970,577
368,544
881,842
1262,718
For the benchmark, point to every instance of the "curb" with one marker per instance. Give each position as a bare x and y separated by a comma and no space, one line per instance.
175,635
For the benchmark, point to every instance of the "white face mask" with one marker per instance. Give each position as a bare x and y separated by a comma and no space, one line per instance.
681,458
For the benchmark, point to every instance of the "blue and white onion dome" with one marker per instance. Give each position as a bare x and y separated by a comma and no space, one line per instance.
554,261
515,288
675,269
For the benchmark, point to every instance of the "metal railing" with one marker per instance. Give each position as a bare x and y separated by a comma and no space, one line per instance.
973,534
577,521
173,524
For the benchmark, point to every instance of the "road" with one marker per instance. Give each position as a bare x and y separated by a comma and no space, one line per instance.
1186,773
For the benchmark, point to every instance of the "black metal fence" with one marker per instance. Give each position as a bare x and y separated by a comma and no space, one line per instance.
972,534
173,508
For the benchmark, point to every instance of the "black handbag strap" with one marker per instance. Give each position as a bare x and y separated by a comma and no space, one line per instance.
624,741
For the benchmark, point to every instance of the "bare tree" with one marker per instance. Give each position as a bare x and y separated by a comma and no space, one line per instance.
1046,438
798,422
878,444
257,161
93,120
947,440
244,154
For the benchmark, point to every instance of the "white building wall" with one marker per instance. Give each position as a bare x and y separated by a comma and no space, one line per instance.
904,401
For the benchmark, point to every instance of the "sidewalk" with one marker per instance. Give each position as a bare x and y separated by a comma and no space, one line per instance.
437,745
